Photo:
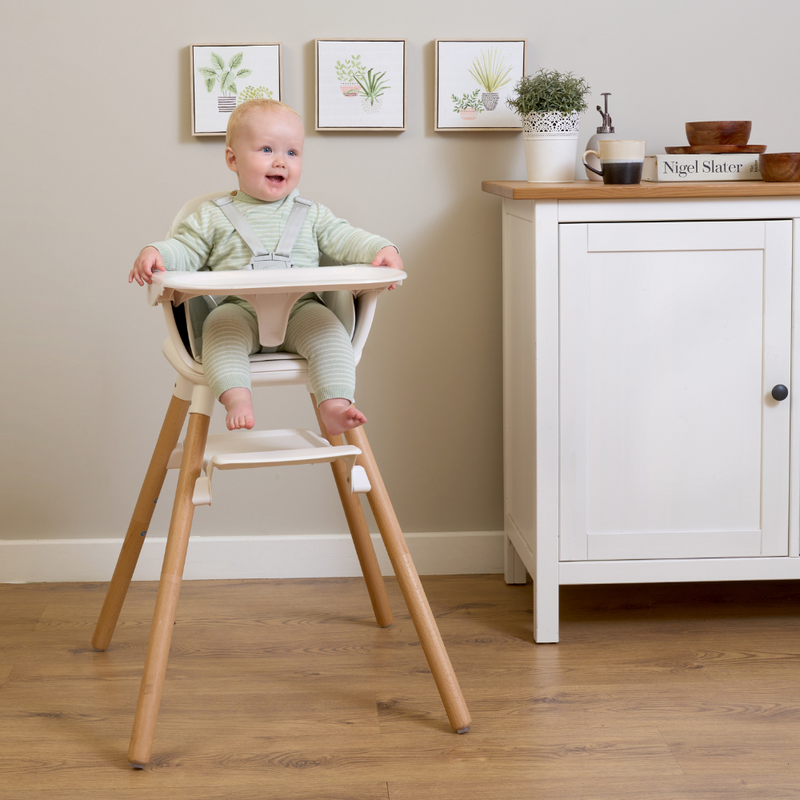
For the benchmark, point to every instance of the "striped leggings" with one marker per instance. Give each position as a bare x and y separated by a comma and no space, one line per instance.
230,335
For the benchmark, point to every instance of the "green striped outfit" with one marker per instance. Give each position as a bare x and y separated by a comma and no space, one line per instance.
207,239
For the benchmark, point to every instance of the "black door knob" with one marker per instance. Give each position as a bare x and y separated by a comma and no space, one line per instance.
780,392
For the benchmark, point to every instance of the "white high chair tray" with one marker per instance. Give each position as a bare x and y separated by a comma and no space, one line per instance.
178,286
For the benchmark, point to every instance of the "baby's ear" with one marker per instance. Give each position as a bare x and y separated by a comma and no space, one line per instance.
230,159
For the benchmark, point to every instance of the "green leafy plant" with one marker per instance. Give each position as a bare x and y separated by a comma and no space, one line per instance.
490,70
549,90
372,85
349,70
253,93
225,76
466,101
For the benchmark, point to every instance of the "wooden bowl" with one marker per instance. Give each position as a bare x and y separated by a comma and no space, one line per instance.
702,134
779,166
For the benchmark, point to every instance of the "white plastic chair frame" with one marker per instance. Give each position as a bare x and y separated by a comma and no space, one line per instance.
191,396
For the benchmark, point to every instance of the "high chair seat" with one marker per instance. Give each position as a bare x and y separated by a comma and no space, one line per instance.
272,292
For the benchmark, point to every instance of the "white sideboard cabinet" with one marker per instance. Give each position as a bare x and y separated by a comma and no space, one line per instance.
648,352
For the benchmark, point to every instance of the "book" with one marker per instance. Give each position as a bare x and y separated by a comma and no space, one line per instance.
717,167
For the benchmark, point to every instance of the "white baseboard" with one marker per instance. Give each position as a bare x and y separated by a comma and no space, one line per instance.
241,557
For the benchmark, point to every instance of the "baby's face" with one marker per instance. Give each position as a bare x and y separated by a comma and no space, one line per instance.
267,154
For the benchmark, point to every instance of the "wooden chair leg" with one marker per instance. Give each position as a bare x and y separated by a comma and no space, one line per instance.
360,533
411,586
155,667
140,522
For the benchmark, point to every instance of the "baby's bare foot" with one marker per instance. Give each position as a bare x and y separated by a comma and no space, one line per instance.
239,405
340,416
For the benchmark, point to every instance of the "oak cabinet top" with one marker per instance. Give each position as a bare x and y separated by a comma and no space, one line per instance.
591,190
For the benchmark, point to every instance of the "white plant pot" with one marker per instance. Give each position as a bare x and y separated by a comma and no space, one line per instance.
551,146
551,160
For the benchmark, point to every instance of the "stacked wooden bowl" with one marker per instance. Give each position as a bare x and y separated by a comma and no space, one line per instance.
710,138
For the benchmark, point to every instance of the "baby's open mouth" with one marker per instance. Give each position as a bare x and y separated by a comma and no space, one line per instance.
276,178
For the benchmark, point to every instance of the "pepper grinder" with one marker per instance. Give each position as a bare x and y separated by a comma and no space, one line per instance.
605,131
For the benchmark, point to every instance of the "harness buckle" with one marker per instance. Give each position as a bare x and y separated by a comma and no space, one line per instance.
270,261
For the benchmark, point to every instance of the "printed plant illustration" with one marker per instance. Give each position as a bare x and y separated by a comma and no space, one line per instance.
468,105
491,72
226,77
348,72
372,88
253,93
357,80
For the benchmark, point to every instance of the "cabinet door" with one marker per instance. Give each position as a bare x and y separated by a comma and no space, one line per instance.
672,337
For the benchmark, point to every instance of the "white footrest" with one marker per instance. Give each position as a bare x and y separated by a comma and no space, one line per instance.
358,481
251,449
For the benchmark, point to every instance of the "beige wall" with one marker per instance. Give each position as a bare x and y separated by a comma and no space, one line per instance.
98,157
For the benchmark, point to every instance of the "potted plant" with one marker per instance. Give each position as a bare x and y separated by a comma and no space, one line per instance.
490,70
372,87
468,105
226,77
550,104
348,72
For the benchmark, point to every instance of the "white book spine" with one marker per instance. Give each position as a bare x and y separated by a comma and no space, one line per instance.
686,168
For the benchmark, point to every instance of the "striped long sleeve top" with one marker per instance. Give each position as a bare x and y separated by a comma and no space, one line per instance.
207,239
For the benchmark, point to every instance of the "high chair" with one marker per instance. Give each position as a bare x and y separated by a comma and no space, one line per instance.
272,292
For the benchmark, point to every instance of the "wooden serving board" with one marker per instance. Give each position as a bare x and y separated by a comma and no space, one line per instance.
715,149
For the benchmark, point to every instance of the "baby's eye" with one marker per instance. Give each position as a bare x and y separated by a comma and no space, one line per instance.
292,152
266,149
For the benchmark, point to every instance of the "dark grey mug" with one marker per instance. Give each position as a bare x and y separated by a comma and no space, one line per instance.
621,160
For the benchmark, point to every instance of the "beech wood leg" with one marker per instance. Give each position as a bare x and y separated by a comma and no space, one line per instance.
169,586
140,523
360,533
411,586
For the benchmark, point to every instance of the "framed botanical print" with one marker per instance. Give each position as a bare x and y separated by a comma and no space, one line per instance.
473,82
224,75
361,84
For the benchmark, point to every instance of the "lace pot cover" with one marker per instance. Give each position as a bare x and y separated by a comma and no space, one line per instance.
551,125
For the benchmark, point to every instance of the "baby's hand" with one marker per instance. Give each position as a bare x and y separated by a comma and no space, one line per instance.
388,257
148,261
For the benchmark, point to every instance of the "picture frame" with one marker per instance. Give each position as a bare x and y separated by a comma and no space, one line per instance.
360,84
223,75
474,78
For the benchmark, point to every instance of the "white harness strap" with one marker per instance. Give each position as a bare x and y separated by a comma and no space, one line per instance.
282,257
198,308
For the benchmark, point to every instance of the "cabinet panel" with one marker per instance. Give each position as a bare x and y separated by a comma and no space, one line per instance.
519,393
644,236
671,445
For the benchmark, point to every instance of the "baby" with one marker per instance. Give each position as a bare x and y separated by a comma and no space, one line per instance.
264,147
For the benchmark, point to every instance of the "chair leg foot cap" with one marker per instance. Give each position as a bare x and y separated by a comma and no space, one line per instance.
463,730
137,766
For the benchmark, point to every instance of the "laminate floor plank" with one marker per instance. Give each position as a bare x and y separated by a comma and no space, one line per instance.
289,690
719,787
255,789
754,748
641,704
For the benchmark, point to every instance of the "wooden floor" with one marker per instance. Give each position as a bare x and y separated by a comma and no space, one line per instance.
288,689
